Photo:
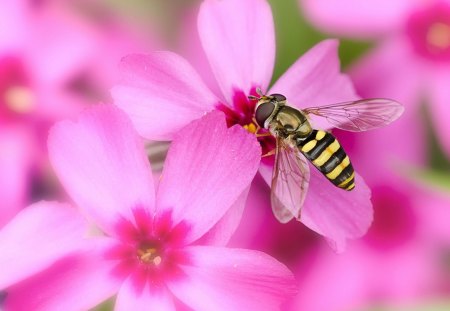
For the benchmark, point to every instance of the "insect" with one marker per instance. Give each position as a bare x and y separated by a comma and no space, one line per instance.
297,142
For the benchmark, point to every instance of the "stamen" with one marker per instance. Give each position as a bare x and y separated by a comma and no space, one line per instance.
157,260
251,128
149,255
438,36
19,99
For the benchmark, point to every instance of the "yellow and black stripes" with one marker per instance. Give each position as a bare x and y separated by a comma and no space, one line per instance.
325,152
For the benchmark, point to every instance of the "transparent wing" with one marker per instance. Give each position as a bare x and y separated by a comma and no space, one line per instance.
290,182
360,115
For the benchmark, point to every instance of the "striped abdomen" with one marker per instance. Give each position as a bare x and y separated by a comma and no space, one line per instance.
325,152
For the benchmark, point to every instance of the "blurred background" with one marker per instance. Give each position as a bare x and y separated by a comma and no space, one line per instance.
59,57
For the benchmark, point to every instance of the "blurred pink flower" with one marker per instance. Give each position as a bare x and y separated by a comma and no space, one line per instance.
395,263
46,53
35,66
411,62
159,247
161,92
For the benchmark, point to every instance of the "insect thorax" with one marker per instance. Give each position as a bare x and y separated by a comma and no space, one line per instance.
290,121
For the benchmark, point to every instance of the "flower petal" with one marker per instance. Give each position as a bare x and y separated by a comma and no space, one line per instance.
102,164
16,157
335,213
343,277
37,237
233,279
208,166
239,40
390,70
440,108
14,16
161,93
332,212
222,231
77,282
355,18
315,79
388,146
129,298
58,45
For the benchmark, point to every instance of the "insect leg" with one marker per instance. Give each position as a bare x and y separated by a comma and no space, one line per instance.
270,153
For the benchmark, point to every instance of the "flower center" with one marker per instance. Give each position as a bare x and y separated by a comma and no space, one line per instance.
242,112
19,99
149,253
429,32
438,36
16,95
251,128
149,249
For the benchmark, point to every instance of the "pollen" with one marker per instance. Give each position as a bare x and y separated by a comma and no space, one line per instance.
438,36
251,128
149,256
19,99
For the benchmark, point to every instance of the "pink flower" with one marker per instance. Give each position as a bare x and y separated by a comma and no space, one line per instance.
158,248
32,94
45,54
410,63
161,93
395,263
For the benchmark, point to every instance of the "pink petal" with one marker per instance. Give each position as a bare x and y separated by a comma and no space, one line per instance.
57,104
77,282
15,17
357,18
389,146
208,166
58,46
335,213
191,48
233,279
342,277
440,108
315,79
253,230
37,237
434,220
16,157
222,231
332,212
129,298
159,87
101,162
410,271
239,40
390,70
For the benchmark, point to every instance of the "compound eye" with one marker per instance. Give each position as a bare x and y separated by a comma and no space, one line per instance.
278,97
263,112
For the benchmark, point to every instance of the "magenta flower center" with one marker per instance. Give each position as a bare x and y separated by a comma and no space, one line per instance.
429,32
16,95
150,249
242,112
150,253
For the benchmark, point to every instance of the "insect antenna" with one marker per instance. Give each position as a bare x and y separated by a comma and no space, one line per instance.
259,92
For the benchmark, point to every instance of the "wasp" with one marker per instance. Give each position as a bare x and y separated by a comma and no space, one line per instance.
297,142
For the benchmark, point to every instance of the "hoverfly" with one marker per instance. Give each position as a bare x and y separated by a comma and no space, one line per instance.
297,143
